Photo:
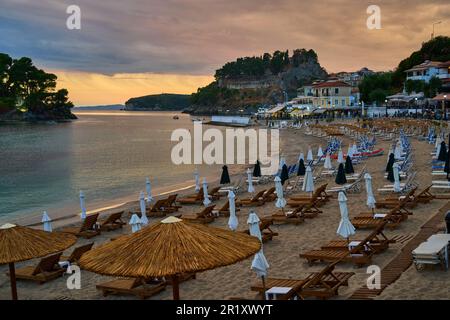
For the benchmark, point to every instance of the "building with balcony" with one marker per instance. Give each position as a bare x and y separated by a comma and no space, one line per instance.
333,94
429,69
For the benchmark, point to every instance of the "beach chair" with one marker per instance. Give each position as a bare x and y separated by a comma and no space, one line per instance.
323,285
407,199
171,203
360,255
393,219
192,199
288,216
136,287
311,204
321,194
112,222
88,228
267,233
269,195
204,216
256,200
157,209
225,210
76,254
215,194
47,269
236,188
376,239
354,187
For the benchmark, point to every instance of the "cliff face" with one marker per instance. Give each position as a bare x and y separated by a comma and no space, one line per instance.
249,83
159,102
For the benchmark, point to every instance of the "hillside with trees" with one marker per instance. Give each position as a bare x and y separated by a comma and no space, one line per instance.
28,93
375,88
158,102
247,83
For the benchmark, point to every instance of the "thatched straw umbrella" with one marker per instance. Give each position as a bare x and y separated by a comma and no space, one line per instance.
21,243
168,249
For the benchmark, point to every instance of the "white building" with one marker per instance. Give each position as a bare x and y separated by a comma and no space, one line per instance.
428,69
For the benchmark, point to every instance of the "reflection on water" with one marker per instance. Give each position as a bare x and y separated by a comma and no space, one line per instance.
106,154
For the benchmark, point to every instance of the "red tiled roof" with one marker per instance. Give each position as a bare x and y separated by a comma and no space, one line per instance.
331,84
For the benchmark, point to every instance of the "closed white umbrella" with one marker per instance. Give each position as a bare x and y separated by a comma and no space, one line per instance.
370,198
233,220
320,152
397,152
253,225
82,205
144,219
281,202
47,222
197,180
251,189
135,223
308,183
206,200
327,165
350,151
148,187
345,229
259,263
355,149
340,156
310,156
397,187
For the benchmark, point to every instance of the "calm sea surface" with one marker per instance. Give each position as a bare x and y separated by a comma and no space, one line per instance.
107,154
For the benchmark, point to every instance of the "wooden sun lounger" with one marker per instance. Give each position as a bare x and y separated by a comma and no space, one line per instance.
393,219
112,222
47,269
205,216
136,287
269,195
88,228
377,241
225,210
321,194
266,233
288,217
408,200
192,199
360,255
252,202
77,253
158,209
215,194
323,285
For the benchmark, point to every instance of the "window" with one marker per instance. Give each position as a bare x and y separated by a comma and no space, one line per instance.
336,90
343,102
336,102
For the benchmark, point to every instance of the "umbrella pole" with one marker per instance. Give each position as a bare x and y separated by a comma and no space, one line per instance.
12,277
176,287
264,287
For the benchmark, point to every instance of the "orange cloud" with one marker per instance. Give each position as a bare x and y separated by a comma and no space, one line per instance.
98,89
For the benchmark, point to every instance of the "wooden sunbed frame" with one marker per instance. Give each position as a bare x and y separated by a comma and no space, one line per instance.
267,234
47,269
112,222
136,287
204,216
87,229
255,201
77,253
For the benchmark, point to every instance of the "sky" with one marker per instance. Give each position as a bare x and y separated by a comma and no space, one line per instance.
137,47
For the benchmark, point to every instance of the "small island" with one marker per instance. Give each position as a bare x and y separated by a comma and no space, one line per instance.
28,93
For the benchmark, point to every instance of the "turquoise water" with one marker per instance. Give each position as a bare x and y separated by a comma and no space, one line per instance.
105,154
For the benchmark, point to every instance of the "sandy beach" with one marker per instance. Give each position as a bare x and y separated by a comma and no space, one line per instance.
283,252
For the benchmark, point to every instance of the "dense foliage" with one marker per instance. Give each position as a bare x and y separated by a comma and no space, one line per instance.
210,94
163,101
28,90
437,49
377,87
266,64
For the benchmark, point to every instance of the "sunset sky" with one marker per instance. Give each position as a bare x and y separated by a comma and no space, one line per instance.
137,47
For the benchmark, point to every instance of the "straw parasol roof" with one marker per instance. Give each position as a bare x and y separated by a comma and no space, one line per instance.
168,249
19,243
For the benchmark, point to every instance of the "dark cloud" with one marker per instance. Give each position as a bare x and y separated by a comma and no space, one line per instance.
198,36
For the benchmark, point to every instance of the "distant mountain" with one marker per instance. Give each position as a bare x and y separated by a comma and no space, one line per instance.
159,102
104,107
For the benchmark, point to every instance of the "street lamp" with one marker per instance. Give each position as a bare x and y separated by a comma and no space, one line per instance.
416,105
386,107
432,35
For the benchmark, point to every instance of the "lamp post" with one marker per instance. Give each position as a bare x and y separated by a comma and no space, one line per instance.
432,35
386,107
415,99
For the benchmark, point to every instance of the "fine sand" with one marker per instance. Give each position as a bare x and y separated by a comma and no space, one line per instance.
283,252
